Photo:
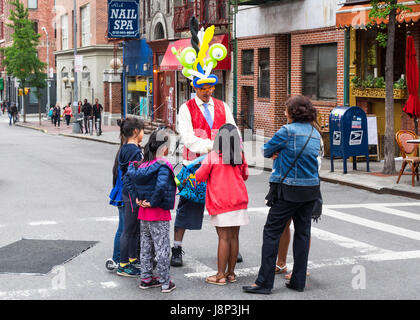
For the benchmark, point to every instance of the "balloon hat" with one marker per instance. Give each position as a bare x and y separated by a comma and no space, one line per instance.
196,67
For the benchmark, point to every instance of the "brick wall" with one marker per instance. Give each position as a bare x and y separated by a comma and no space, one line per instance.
98,21
268,112
42,16
314,37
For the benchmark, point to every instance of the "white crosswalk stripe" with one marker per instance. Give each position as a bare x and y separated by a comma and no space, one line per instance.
364,251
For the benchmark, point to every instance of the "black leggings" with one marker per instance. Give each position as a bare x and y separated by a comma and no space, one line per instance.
67,119
130,237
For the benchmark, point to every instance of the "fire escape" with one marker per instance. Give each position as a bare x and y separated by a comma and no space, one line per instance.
208,12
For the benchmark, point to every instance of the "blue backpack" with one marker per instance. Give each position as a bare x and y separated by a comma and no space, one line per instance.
189,188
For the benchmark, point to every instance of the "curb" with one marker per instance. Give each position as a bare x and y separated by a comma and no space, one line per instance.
33,128
87,138
384,190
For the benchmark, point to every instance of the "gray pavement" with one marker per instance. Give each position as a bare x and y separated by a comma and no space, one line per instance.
365,247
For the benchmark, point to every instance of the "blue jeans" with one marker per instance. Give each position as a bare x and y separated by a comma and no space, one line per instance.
10,119
116,254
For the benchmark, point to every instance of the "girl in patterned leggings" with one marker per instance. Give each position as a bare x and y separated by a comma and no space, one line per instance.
153,183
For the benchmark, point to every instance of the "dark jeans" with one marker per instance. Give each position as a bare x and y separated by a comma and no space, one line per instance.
116,254
86,123
67,119
130,237
278,216
57,119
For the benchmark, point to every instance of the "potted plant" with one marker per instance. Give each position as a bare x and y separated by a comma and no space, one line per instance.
372,87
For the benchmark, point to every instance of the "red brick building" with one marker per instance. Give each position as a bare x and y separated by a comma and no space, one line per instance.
41,12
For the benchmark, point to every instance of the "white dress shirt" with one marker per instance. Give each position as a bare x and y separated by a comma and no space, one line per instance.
186,130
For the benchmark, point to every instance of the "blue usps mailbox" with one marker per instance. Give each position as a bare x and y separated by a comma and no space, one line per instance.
348,135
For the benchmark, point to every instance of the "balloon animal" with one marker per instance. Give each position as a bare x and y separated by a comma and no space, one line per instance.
196,67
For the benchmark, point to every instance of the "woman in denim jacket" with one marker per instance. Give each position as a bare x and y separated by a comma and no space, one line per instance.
292,195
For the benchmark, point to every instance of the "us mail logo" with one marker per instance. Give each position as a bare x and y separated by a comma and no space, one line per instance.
356,138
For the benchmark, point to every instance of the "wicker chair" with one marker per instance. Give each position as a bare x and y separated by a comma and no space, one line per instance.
410,153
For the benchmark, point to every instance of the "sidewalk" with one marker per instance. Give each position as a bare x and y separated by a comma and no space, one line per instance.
373,181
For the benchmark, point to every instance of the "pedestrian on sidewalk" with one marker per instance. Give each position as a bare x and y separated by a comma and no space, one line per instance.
10,114
87,115
226,170
152,182
131,130
79,107
50,114
294,189
57,115
68,113
97,113
15,114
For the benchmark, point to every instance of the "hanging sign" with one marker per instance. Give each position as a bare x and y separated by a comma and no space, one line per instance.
78,63
123,19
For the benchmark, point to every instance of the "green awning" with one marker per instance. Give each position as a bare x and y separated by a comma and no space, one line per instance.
1,84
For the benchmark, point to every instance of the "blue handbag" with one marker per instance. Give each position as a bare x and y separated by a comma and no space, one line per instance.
189,188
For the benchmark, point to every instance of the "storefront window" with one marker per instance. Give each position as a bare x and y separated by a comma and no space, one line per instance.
137,101
371,57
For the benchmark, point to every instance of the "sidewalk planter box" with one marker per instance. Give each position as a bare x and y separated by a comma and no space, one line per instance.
378,93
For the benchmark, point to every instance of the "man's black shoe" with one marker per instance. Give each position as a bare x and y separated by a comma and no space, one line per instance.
256,289
290,286
239,259
176,259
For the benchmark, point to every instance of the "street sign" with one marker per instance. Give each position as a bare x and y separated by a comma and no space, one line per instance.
51,73
123,19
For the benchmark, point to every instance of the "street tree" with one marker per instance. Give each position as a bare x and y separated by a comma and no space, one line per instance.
381,11
38,81
21,58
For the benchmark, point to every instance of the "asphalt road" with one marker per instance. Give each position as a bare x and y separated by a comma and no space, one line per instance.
53,187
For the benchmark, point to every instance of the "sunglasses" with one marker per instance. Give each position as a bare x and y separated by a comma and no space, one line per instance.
211,89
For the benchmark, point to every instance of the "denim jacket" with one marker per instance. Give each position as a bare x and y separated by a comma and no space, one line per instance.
288,141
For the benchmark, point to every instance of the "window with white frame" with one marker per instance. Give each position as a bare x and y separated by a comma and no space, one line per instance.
85,17
32,4
64,32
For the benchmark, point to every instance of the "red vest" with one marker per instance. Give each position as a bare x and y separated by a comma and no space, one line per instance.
200,125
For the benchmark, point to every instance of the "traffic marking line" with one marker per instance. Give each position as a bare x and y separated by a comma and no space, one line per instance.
402,232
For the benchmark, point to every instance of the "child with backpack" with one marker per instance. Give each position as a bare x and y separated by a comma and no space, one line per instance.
226,170
152,183
116,200
131,130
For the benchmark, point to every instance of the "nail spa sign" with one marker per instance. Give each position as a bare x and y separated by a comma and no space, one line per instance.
123,19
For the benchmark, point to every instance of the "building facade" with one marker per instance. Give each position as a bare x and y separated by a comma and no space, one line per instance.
40,13
366,63
96,50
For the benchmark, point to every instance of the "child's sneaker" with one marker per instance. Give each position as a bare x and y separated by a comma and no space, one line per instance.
170,288
136,263
128,271
153,283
